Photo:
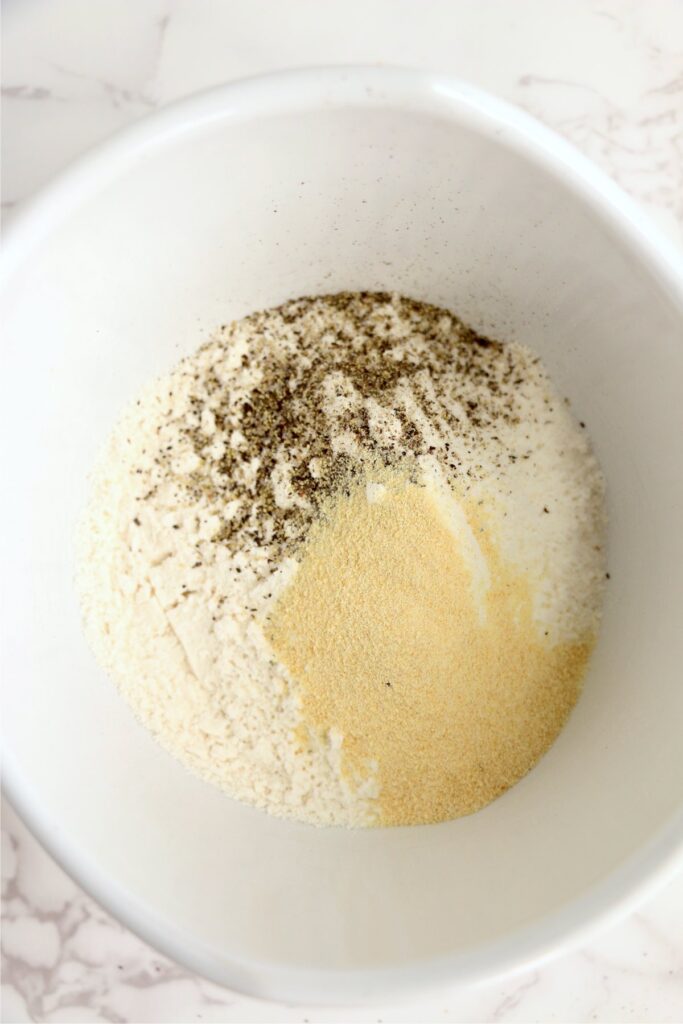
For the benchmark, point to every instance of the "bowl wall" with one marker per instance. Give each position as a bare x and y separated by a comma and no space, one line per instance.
237,200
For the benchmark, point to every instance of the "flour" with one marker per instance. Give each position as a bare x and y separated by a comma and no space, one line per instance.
206,494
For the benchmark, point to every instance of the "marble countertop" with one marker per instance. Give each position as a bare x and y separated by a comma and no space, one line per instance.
607,74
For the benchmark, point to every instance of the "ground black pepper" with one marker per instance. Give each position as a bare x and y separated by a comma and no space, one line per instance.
364,351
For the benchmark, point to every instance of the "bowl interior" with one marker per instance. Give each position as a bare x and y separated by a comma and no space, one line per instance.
246,199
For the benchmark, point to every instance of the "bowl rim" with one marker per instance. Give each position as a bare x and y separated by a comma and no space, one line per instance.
423,92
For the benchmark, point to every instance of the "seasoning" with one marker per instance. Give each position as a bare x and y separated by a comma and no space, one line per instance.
332,384
385,597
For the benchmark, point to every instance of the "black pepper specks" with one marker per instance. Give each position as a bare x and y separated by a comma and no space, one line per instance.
267,451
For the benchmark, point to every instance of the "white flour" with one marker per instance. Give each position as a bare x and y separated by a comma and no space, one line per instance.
200,502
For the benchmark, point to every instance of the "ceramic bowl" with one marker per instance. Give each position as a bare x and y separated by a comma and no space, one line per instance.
237,199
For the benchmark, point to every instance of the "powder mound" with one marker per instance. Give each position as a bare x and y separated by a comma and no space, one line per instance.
340,531
453,698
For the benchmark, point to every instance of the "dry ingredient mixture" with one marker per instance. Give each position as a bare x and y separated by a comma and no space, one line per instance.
346,561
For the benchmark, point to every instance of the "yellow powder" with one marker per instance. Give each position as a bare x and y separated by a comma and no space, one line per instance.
453,701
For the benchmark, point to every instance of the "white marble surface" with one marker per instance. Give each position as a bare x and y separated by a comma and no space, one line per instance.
608,74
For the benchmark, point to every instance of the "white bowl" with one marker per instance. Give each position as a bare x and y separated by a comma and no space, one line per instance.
310,182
